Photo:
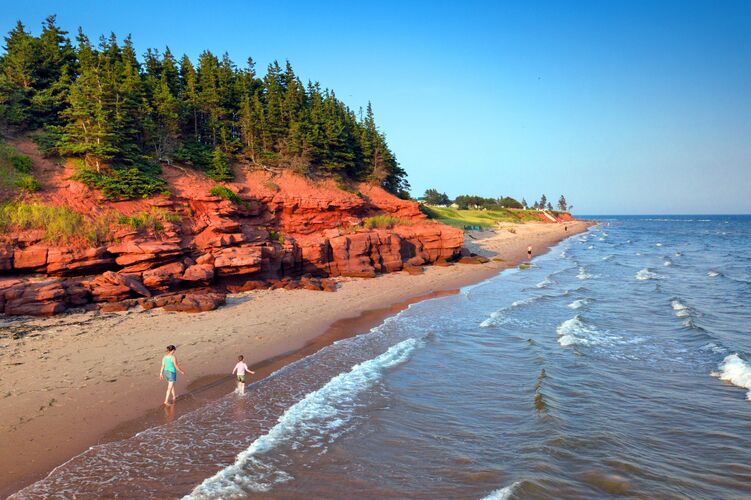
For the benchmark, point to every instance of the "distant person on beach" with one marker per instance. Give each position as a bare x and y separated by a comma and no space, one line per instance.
565,227
169,370
241,369
529,252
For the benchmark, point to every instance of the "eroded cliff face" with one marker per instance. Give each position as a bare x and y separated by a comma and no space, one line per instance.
286,232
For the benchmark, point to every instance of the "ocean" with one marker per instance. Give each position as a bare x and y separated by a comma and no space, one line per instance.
619,363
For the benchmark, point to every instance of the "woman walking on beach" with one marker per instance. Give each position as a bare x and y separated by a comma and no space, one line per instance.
169,370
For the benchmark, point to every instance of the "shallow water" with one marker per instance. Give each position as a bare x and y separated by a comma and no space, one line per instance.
617,364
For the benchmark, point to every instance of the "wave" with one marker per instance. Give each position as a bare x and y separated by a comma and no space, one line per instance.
575,331
323,411
646,274
667,262
544,283
578,303
496,318
713,274
583,275
658,244
737,371
502,493
681,310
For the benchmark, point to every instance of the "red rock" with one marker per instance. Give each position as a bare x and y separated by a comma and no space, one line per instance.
34,299
113,287
475,259
238,260
6,258
163,276
414,269
248,286
194,303
30,258
202,273
114,306
71,261
205,259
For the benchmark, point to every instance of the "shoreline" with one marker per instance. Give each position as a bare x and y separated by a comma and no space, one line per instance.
97,362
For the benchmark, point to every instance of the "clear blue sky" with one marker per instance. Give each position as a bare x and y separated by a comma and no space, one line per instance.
623,106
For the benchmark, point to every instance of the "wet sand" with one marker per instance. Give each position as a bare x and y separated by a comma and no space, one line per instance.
76,380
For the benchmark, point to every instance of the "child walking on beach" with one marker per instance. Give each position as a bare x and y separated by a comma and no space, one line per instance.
169,370
240,369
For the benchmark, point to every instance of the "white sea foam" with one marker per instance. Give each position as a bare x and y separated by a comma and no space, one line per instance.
583,274
502,493
590,247
667,262
737,371
495,319
658,244
544,283
677,254
578,303
638,253
681,310
320,412
713,274
711,346
646,274
575,331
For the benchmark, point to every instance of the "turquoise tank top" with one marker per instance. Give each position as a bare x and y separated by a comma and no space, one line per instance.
169,365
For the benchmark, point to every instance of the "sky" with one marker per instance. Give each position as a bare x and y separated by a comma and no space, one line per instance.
625,107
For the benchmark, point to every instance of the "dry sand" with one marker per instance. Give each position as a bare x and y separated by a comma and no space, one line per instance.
79,379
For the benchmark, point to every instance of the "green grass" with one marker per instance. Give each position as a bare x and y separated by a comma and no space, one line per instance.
15,170
225,193
484,218
384,222
61,225
151,220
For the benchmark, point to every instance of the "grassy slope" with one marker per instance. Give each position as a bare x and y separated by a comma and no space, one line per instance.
484,218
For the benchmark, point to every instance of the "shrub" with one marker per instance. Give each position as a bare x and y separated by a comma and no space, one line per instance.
27,183
385,222
275,236
22,163
225,193
47,140
219,168
123,184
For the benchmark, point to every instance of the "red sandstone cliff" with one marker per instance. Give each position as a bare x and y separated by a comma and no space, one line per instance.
287,231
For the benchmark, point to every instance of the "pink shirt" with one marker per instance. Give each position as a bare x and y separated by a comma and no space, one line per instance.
240,368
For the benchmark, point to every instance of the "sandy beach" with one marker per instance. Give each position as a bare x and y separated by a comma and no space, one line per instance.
75,380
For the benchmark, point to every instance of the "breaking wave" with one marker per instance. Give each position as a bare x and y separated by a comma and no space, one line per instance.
646,274
318,414
737,371
502,493
578,303
681,310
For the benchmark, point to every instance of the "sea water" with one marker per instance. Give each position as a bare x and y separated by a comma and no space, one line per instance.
618,364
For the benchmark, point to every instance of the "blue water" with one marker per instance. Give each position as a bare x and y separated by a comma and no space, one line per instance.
617,364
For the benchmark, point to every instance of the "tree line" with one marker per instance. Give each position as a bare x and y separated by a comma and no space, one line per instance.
122,115
464,202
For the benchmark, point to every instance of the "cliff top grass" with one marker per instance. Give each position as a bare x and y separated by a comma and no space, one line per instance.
61,225
484,218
